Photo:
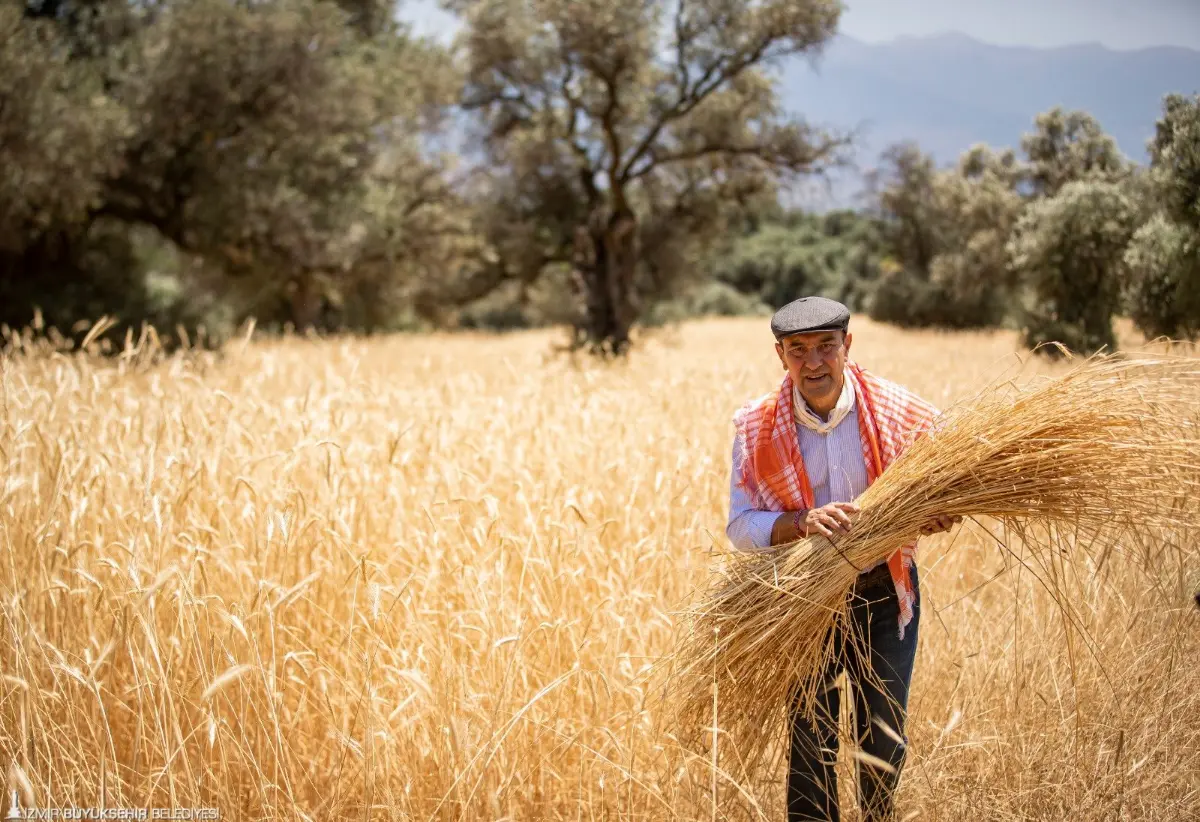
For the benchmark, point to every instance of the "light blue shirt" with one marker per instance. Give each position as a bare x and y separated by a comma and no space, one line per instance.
836,471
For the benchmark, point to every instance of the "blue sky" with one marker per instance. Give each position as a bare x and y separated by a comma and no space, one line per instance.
1119,24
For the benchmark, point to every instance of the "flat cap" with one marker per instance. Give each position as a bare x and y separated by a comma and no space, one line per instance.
810,314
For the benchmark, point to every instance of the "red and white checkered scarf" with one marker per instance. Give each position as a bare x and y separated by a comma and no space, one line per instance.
889,419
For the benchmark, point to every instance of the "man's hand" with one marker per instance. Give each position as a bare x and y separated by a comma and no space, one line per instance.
939,524
829,520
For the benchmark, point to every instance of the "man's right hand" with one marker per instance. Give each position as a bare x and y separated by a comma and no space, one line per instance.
829,520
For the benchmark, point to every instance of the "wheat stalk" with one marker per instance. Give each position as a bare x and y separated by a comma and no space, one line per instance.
1102,452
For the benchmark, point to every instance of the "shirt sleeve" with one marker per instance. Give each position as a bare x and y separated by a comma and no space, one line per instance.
749,528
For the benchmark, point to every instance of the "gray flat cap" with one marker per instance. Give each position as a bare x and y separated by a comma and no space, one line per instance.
810,314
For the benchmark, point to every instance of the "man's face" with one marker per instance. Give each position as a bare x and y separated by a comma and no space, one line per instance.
817,363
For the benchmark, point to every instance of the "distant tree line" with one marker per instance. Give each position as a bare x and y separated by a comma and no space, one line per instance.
309,163
1055,242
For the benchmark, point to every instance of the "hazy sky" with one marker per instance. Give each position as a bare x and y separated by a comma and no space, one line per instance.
1119,24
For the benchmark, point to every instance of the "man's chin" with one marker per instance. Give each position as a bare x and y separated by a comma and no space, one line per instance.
818,396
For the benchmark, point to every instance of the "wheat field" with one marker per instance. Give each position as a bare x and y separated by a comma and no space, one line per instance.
430,577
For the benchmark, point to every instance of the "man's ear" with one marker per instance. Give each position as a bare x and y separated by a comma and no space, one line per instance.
779,353
847,339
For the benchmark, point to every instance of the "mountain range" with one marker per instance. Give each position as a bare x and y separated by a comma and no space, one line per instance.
948,92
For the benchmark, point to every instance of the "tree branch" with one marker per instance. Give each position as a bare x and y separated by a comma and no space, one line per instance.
763,151
682,73
713,78
608,123
586,169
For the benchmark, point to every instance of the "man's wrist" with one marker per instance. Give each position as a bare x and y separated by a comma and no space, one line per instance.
789,526
779,531
798,523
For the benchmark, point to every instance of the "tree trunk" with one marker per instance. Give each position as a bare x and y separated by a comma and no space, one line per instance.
305,301
605,267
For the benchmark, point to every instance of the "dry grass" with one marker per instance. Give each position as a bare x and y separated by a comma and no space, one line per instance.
426,578
1060,464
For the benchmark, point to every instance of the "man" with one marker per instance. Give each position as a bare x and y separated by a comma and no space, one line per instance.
802,454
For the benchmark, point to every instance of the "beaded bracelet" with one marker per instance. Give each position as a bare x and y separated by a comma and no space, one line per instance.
797,519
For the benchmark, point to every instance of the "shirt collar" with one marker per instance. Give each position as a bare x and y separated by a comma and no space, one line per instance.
804,415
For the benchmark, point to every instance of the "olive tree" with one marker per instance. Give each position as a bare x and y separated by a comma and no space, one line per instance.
945,232
1163,260
621,133
278,142
1068,250
1065,146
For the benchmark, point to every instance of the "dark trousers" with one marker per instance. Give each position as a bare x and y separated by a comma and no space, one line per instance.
879,668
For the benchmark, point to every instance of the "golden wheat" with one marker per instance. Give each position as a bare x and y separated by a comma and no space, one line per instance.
1064,463
427,577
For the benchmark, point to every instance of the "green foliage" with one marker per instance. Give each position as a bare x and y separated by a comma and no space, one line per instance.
941,301
949,233
903,299
908,207
197,162
623,136
1068,250
800,254
59,134
1175,159
278,143
711,299
516,304
1068,146
1163,289
945,232
505,309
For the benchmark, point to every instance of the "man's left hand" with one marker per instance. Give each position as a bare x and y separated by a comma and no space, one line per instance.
939,524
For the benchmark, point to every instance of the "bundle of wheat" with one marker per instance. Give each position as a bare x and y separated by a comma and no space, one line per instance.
1081,460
